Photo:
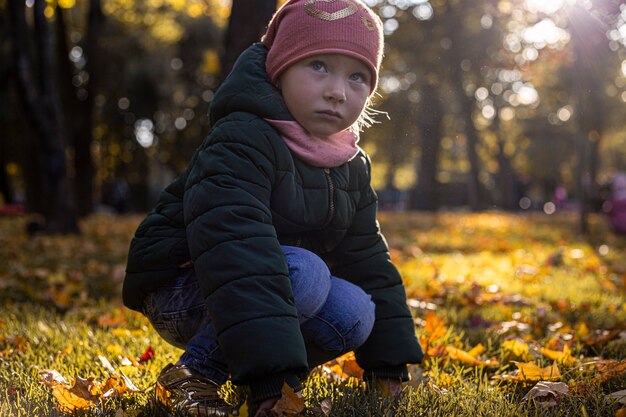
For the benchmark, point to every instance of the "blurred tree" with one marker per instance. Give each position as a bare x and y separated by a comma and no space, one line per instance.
40,97
78,91
247,22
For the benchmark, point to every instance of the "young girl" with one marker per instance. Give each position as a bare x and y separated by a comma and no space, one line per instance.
264,258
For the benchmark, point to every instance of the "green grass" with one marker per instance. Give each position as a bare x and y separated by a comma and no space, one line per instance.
490,278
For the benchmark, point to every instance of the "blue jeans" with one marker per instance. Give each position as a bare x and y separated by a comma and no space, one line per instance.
335,316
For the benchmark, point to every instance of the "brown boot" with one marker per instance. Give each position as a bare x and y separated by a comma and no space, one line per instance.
181,389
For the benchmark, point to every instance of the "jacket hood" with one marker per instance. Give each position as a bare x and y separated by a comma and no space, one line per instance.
248,89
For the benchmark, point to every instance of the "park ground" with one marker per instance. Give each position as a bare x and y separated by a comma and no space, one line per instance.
519,315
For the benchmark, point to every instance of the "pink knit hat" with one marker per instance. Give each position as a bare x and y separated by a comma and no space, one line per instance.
302,28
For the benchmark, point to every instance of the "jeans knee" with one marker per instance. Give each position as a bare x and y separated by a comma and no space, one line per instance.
310,280
360,332
345,321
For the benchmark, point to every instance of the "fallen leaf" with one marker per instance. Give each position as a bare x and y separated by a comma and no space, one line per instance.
118,385
86,388
344,367
476,350
51,378
517,348
69,401
529,371
461,355
609,369
13,345
289,404
547,394
564,357
620,396
434,327
147,355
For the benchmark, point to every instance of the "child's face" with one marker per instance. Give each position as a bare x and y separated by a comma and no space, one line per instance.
326,93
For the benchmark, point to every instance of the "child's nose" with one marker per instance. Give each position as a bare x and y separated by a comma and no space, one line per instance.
336,91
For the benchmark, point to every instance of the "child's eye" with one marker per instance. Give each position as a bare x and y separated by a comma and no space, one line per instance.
318,66
358,77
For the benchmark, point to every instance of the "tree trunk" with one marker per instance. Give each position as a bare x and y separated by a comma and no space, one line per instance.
424,194
454,57
506,178
80,101
247,22
43,111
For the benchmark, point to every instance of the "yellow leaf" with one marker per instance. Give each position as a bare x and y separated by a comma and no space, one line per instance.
476,350
289,404
434,327
517,348
564,357
531,372
461,355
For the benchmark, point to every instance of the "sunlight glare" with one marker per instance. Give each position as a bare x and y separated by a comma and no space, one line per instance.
544,33
624,67
543,6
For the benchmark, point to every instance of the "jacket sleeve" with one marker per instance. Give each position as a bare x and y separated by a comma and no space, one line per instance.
158,249
363,259
240,265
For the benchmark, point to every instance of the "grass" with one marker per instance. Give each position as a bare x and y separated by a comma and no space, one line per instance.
487,278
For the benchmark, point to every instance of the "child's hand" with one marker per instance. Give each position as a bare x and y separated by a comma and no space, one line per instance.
268,407
390,388
265,407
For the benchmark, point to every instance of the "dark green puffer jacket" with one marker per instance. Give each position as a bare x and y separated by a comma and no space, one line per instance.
243,195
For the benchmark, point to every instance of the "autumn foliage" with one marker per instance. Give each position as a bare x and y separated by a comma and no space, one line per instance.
515,310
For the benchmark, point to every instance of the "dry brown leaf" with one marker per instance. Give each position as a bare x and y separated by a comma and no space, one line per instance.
86,388
289,404
547,394
118,385
13,345
609,369
69,401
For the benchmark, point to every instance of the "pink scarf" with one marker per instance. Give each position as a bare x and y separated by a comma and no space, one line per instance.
321,152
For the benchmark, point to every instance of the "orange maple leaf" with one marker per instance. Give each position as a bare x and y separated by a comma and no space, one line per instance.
289,404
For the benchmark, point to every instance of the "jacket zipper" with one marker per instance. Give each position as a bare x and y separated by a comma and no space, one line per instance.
331,197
